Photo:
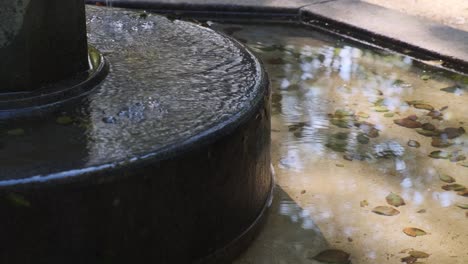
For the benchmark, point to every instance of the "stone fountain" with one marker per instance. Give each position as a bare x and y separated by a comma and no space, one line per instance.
126,137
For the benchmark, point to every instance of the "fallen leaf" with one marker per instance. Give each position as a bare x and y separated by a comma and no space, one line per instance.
414,232
395,200
385,210
428,126
409,260
428,133
463,193
424,106
418,254
454,187
414,144
333,256
439,154
462,206
440,143
446,178
425,77
407,122
453,132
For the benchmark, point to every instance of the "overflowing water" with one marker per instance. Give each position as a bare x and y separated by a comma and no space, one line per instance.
368,147
169,82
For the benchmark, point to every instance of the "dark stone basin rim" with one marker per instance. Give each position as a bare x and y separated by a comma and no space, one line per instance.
297,13
204,138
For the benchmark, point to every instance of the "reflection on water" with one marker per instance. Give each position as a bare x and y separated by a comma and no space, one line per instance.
350,126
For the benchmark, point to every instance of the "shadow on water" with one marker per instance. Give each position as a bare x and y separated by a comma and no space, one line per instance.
289,234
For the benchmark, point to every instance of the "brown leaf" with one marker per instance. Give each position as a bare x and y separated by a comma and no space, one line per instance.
407,122
364,203
414,232
395,200
385,210
463,193
409,260
440,142
333,256
424,106
453,132
418,254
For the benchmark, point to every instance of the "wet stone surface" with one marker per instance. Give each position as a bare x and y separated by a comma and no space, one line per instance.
169,82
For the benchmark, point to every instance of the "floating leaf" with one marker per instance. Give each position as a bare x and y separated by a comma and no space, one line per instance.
64,120
424,106
414,232
462,206
439,154
414,144
364,203
333,256
454,187
395,200
418,254
16,132
18,200
446,178
407,122
385,210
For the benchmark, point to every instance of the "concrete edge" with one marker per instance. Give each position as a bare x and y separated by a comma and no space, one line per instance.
316,13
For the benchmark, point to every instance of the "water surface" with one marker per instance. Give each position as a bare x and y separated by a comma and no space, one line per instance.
338,151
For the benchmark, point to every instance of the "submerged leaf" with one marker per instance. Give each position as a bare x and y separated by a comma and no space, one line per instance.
16,132
462,206
418,254
362,138
428,133
424,106
395,200
446,178
453,132
463,193
414,232
414,144
425,77
407,122
18,200
454,187
439,154
364,203
381,109
385,210
333,256
64,120
440,143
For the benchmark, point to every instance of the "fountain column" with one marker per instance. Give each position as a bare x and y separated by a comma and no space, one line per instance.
41,41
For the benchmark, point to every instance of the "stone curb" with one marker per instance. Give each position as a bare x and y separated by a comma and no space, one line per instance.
414,36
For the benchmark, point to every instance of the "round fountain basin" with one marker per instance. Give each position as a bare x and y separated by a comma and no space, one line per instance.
166,161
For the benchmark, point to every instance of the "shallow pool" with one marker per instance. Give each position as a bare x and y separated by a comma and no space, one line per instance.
368,148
